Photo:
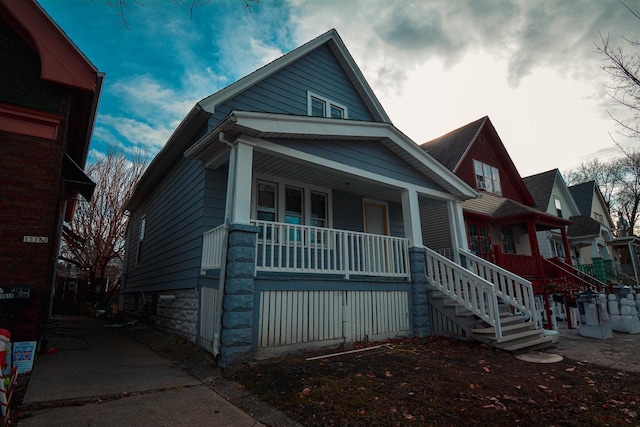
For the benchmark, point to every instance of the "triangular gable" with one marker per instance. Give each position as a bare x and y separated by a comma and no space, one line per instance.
585,194
479,140
196,120
541,187
334,42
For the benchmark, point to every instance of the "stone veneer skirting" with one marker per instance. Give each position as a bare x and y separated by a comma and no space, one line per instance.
175,311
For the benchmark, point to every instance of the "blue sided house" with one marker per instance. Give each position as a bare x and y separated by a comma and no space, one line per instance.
285,213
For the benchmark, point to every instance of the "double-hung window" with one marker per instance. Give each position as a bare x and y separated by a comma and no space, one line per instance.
276,200
487,177
320,106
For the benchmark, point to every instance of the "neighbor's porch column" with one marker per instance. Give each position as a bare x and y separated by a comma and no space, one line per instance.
238,205
567,246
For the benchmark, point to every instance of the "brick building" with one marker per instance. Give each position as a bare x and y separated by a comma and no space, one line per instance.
49,94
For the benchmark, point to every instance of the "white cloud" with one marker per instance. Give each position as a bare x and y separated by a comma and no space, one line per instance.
152,137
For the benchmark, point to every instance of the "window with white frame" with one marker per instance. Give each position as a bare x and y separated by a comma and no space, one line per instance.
487,177
320,106
558,206
279,200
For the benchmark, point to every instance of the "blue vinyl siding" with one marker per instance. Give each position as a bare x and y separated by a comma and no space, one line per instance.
214,198
367,155
285,91
348,214
172,247
190,199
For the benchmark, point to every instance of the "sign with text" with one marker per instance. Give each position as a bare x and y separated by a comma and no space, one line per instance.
35,239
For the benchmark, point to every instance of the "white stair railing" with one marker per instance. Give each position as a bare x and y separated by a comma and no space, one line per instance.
510,288
468,289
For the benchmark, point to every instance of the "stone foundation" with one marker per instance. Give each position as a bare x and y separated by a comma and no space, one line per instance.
173,311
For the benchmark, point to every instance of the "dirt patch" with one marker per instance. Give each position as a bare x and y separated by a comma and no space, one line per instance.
439,381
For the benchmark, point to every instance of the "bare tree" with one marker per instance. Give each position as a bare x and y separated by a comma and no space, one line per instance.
619,182
94,240
594,170
123,6
624,68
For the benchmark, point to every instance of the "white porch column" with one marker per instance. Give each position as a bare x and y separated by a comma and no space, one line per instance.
458,230
238,204
411,218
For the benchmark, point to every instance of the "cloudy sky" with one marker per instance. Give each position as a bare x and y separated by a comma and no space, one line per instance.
435,65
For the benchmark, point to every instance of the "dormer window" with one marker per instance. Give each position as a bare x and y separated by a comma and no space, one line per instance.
319,106
487,178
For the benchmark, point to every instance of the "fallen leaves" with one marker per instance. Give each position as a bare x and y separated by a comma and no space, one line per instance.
460,382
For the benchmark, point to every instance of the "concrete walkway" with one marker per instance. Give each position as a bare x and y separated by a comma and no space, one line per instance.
621,352
105,376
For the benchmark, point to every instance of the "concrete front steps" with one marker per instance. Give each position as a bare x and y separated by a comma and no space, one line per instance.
518,333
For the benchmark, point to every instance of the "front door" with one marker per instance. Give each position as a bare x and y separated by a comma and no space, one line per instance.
376,217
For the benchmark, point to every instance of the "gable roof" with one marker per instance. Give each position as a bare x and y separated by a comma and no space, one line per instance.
193,124
540,186
335,44
583,195
452,148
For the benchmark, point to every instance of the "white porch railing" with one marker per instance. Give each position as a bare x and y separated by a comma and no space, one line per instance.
510,288
213,246
304,249
465,287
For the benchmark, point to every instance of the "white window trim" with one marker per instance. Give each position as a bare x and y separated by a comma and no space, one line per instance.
328,103
484,185
282,183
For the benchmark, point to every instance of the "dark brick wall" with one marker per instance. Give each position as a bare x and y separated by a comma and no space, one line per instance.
30,186
29,194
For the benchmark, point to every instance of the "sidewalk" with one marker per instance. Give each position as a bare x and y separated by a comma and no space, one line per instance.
621,352
105,376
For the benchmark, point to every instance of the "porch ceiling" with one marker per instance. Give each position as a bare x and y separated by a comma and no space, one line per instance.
324,177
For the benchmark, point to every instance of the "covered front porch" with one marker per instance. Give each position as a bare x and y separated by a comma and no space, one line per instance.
322,240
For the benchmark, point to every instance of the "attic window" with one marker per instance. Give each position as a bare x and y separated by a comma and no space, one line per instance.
487,178
558,206
319,106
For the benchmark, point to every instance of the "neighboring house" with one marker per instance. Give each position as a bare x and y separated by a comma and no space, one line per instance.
48,102
504,224
284,213
619,254
551,195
